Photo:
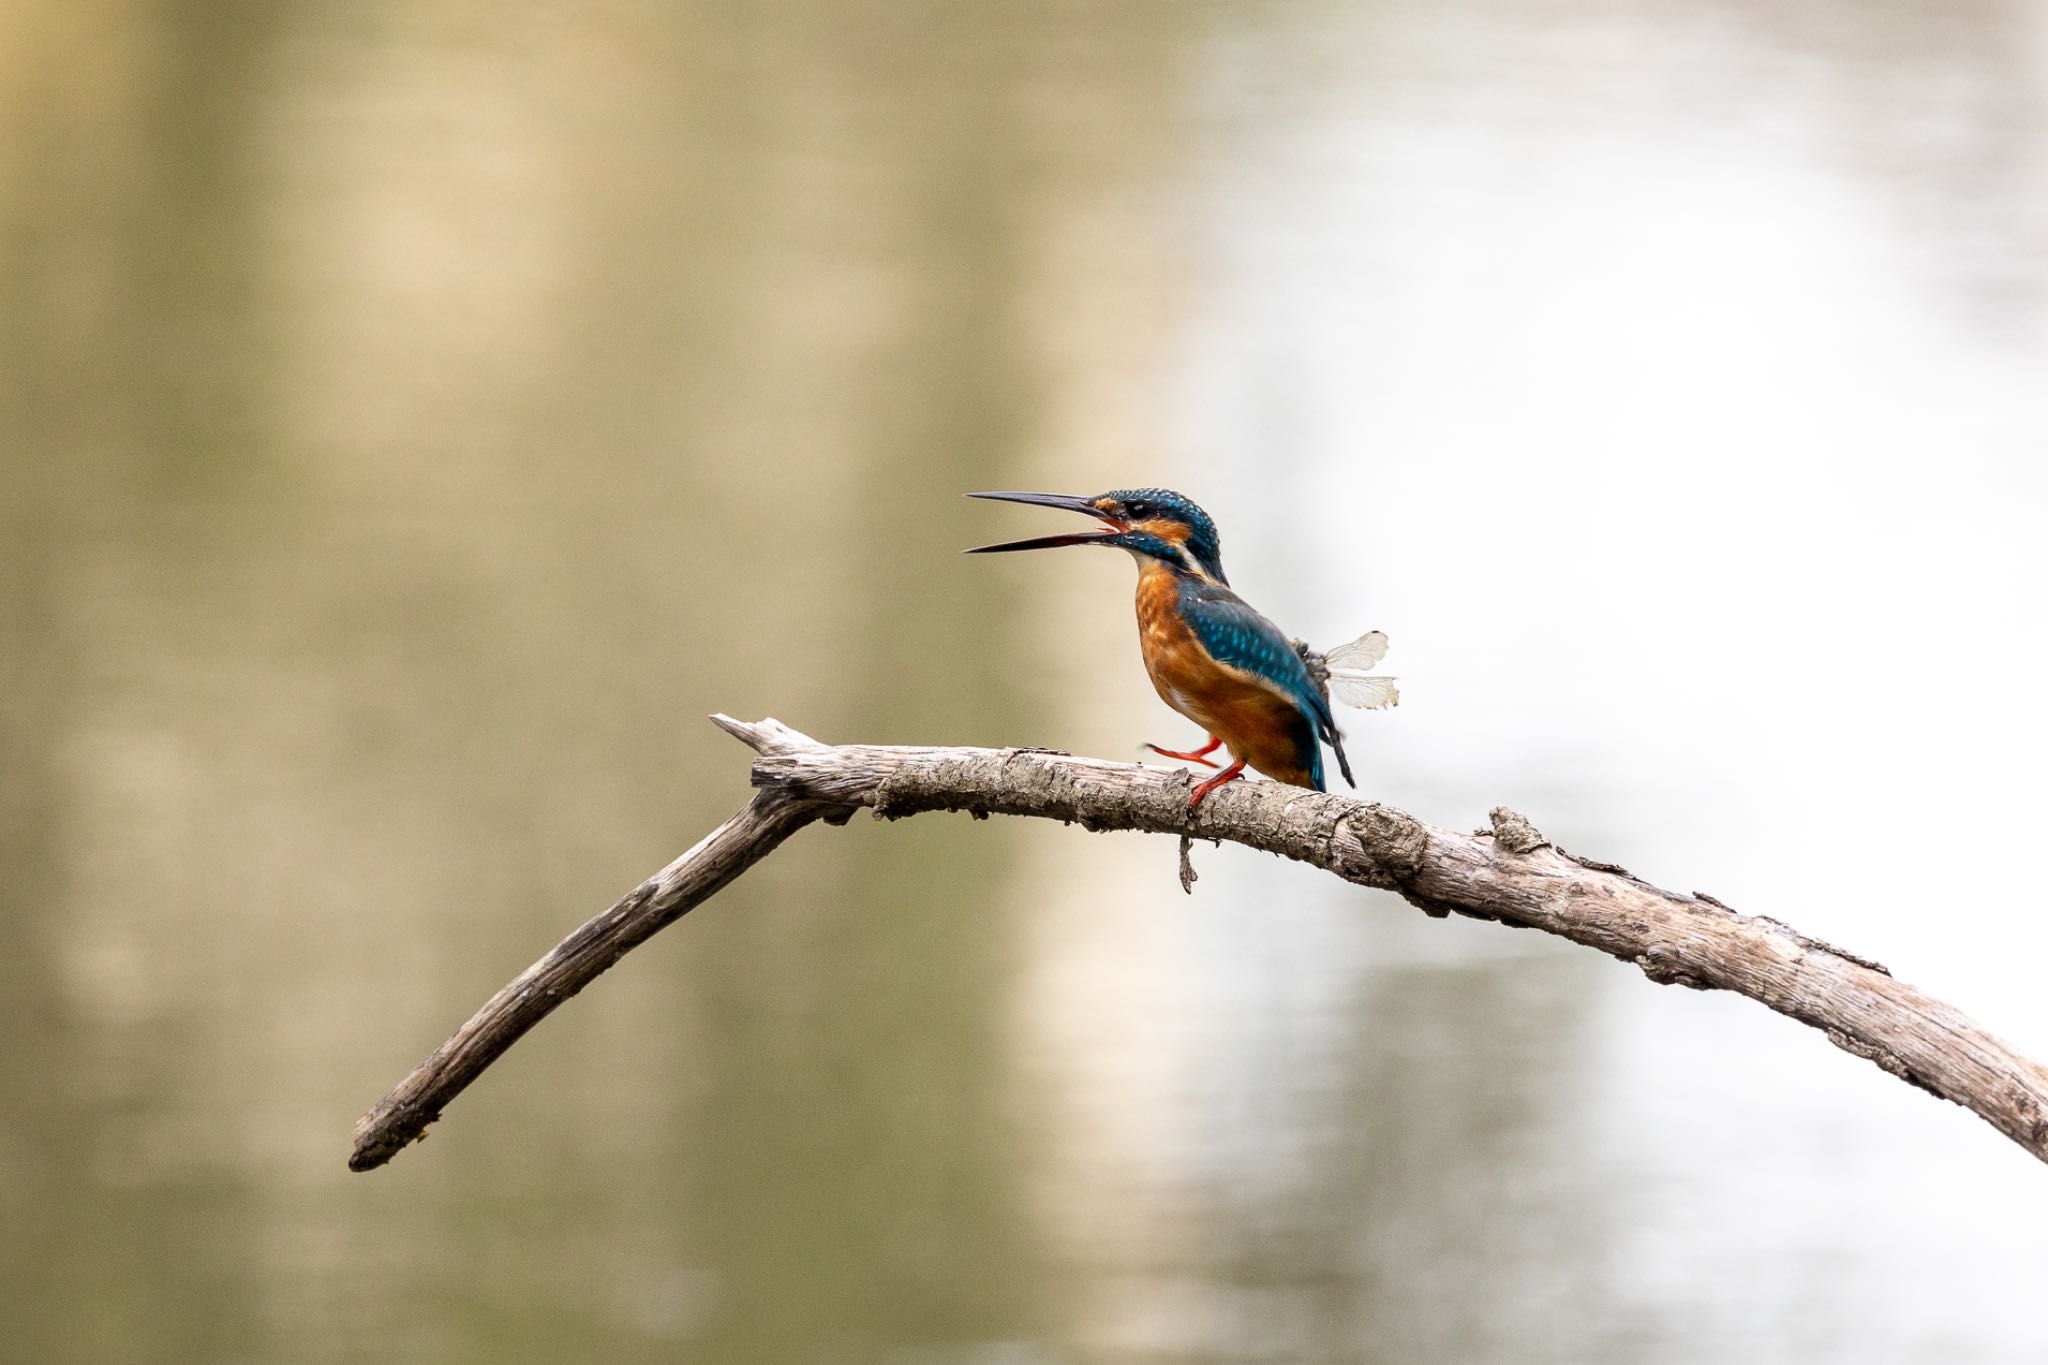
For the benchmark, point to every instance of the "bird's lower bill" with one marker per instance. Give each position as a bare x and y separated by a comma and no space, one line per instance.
1048,542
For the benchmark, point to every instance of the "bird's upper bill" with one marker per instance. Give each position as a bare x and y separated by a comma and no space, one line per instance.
1099,508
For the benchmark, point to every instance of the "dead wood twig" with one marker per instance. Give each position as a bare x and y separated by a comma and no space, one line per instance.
1509,873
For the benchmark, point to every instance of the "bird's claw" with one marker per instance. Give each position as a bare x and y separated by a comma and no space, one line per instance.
1185,758
1229,774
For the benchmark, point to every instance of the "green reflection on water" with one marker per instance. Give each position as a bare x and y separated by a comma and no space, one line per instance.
415,424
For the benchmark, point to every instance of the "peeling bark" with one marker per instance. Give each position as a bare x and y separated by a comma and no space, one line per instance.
1509,873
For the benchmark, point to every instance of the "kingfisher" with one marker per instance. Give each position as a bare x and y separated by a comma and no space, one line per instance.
1211,657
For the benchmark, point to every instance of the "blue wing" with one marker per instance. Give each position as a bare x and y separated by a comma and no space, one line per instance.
1236,635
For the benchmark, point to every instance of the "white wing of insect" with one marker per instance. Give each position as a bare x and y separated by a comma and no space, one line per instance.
1350,681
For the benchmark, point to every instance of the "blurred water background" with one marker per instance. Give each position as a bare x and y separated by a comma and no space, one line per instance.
414,419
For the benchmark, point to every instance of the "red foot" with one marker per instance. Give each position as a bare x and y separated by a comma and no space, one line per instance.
1229,774
1195,757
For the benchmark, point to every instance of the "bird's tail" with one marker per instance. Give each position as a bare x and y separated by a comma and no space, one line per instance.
1326,722
1334,737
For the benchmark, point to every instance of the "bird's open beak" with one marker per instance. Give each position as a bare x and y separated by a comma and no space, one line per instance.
1081,505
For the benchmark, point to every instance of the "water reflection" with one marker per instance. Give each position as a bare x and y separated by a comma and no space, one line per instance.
417,420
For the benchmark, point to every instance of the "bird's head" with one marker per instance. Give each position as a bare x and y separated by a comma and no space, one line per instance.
1152,523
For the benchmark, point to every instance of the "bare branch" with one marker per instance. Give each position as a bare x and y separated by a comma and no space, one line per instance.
732,848
1510,873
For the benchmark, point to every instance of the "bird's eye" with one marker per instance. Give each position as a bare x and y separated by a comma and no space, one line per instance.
1140,508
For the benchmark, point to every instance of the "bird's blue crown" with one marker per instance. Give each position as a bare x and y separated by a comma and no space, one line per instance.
1163,504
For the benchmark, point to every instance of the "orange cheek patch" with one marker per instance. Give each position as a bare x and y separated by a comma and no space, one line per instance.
1171,531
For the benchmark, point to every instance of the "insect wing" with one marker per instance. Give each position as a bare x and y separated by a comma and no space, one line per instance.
1363,690
1361,654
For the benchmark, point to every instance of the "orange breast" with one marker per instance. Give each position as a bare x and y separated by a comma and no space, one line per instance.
1258,724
